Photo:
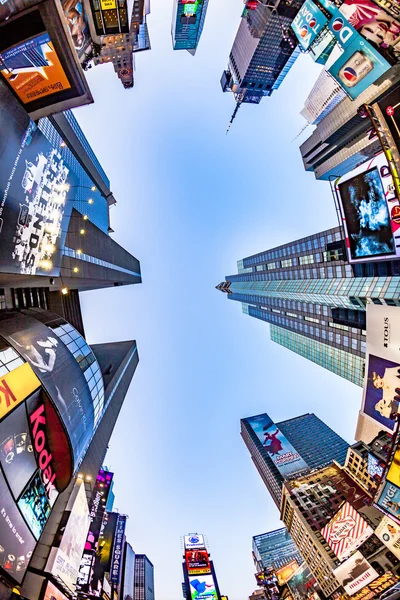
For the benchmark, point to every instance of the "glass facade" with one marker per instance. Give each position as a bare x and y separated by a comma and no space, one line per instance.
275,549
314,300
316,443
187,27
144,578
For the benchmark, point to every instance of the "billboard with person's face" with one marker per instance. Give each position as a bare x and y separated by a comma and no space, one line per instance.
367,198
355,573
389,500
34,211
78,26
285,457
197,562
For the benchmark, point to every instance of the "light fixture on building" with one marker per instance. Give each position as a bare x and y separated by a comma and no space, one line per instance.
76,270
85,217
90,201
82,232
79,251
93,188
64,291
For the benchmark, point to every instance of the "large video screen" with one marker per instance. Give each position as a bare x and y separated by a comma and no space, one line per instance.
35,506
197,562
202,587
367,215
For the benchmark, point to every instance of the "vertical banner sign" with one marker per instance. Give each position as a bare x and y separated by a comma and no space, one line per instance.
118,550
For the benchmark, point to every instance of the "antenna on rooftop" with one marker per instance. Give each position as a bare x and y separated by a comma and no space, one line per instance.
239,98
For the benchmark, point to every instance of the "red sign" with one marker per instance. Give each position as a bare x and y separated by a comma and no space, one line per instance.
197,562
395,214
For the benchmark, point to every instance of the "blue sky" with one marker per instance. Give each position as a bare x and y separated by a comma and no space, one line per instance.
191,202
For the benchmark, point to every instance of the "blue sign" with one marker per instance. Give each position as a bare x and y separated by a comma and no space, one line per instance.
284,456
389,500
359,66
117,555
308,23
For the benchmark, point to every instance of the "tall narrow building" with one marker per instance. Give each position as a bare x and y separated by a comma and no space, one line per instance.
144,578
314,300
281,451
187,24
274,549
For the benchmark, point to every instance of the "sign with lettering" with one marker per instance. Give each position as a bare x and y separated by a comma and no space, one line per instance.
117,554
15,387
355,573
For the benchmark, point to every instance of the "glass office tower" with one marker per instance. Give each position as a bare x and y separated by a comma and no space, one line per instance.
275,549
187,24
314,299
144,578
315,444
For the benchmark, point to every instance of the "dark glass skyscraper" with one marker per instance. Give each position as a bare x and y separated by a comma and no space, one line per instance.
275,549
314,300
310,441
144,578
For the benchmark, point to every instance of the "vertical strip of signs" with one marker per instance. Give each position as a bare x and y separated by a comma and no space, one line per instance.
118,550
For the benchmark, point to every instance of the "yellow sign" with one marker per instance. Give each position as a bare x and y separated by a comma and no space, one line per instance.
15,387
108,4
394,472
285,573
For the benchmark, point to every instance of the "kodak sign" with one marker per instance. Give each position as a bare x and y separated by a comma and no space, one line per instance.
15,387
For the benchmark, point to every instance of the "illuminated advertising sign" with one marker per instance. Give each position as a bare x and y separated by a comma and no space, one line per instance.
382,364
285,573
108,4
197,562
375,25
15,387
346,531
374,468
287,460
32,68
367,198
308,23
17,542
379,585
322,47
76,19
390,107
389,500
389,533
66,553
34,213
193,540
117,554
302,584
202,587
35,506
51,592
355,573
102,562
394,471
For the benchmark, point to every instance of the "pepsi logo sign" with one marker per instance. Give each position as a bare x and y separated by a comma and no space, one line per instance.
303,31
313,23
350,74
337,24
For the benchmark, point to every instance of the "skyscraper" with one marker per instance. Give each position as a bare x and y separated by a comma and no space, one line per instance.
187,24
144,578
274,549
263,51
314,300
306,442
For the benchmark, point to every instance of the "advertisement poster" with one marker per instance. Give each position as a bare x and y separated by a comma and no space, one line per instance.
102,562
197,562
287,460
16,451
16,386
193,540
374,468
202,587
394,471
32,68
367,196
389,533
389,500
308,23
346,531
17,542
390,107
375,25
285,573
383,364
355,573
303,583
60,374
35,506
52,593
64,560
118,550
34,213
379,585
78,25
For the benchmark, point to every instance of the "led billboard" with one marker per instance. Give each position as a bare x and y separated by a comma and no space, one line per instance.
193,540
389,533
197,562
382,364
66,553
346,531
367,198
389,500
355,573
17,542
302,584
285,573
202,587
35,506
118,549
102,562
285,457
308,23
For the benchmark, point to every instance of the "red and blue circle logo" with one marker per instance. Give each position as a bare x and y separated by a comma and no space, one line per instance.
337,24
303,31
350,74
313,23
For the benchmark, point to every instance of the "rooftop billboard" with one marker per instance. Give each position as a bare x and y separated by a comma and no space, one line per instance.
368,203
284,456
346,531
193,540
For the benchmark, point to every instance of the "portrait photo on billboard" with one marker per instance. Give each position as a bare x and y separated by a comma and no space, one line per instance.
197,562
374,24
78,26
60,374
285,457
389,500
202,587
358,66
33,200
364,195
355,573
380,389
16,541
16,450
